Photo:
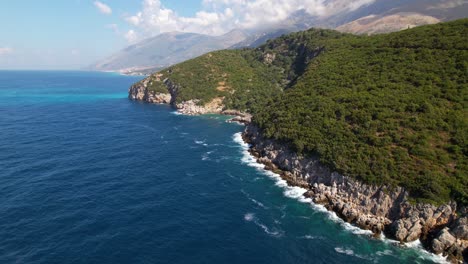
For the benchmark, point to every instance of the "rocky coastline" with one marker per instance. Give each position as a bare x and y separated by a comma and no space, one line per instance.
140,92
382,209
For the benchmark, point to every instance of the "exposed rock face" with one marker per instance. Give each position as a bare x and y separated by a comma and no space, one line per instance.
240,117
140,92
192,107
375,24
376,208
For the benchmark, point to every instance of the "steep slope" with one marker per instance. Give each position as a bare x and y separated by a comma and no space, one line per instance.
375,126
376,24
383,16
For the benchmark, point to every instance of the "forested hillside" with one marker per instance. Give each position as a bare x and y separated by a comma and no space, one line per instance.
386,109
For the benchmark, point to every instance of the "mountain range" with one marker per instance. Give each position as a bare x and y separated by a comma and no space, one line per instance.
381,16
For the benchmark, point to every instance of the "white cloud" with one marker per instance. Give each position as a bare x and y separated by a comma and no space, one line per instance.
6,51
103,8
131,36
220,16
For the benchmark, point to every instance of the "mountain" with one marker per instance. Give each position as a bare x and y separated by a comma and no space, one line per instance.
388,16
166,49
380,16
375,24
374,127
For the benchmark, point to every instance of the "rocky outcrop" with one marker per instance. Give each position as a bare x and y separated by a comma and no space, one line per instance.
382,209
193,107
239,117
141,92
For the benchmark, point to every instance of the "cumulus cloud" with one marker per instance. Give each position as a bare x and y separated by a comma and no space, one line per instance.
6,51
220,16
103,8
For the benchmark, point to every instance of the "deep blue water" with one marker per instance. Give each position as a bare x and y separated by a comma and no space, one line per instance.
88,176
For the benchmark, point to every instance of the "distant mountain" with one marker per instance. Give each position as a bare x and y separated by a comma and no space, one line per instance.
380,16
297,21
375,24
166,49
384,16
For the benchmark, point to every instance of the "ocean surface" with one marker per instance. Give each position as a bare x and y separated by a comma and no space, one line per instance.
88,176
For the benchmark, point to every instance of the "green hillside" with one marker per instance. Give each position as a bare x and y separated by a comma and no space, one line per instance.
386,109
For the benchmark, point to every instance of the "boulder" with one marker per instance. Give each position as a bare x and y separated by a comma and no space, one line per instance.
443,241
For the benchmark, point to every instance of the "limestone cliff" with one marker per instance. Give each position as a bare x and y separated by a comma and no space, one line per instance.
382,209
141,92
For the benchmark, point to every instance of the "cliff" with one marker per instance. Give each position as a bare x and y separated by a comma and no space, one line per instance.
382,209
141,92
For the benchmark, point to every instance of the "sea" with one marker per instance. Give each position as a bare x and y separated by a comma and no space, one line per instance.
88,176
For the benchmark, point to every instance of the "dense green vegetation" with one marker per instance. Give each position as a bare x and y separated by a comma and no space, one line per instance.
386,109
243,83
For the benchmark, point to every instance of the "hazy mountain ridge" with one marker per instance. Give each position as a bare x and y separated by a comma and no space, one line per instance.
380,16
167,49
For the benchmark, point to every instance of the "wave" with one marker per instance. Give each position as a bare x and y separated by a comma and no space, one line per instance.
253,200
293,192
424,254
206,156
201,142
250,217
350,252
386,252
309,237
298,194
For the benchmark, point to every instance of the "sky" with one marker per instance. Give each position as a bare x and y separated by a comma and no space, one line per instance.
71,34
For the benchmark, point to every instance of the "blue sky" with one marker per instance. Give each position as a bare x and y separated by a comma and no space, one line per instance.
66,34
72,34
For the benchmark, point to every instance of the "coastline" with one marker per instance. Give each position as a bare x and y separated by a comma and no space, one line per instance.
382,210
298,193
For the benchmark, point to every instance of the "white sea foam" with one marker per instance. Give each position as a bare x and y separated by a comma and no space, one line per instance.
417,245
309,237
386,252
253,200
206,156
298,193
176,113
350,252
341,250
267,230
250,217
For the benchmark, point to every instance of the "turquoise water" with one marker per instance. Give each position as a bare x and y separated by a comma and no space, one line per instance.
91,177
